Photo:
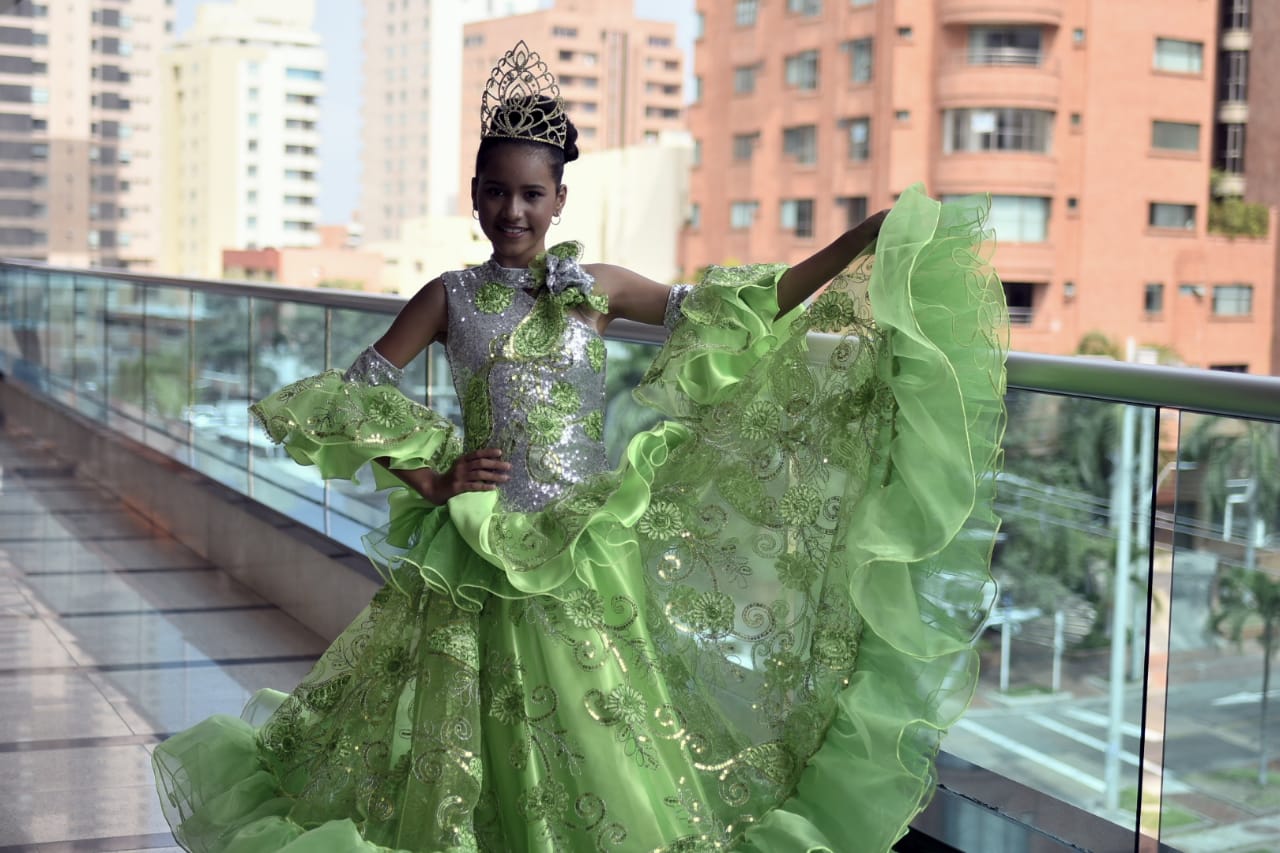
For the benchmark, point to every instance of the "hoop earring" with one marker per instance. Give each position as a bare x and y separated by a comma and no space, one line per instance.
555,220
475,214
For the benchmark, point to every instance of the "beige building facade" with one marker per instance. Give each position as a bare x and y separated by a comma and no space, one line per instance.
412,106
622,220
1093,124
241,153
622,77
79,179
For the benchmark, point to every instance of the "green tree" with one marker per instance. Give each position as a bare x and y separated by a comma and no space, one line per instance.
1245,597
1228,450
1054,499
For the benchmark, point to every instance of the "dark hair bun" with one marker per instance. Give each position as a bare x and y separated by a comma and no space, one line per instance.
570,141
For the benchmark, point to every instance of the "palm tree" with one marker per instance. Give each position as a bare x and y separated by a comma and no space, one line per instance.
1244,451
1243,596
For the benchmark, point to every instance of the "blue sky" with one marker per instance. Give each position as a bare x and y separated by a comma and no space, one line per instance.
338,22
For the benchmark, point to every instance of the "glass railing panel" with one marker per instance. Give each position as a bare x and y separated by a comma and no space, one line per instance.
440,394
10,293
1060,700
1221,735
624,417
289,343
350,331
217,418
27,322
59,336
355,508
124,318
167,369
89,326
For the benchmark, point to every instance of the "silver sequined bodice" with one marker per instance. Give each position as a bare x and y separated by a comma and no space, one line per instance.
539,400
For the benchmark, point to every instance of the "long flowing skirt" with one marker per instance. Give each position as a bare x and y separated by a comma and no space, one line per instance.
752,635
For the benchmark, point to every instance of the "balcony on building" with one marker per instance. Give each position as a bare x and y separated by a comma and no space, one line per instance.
1047,12
140,383
1007,62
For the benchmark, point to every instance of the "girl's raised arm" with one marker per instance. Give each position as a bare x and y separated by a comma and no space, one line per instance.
631,295
634,297
421,321
799,283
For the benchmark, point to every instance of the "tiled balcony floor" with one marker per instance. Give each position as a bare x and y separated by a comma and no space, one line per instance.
112,635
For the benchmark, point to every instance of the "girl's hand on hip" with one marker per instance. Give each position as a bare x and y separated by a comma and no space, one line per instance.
477,471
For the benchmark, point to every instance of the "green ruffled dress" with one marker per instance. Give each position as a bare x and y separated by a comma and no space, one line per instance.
751,635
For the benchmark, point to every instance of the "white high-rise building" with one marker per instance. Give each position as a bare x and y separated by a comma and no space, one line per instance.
79,179
413,106
242,138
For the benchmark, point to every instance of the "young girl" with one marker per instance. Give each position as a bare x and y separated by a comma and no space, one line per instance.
750,635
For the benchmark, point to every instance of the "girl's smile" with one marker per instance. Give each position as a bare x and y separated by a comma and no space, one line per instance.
515,197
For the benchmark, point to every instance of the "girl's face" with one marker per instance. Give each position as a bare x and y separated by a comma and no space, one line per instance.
516,195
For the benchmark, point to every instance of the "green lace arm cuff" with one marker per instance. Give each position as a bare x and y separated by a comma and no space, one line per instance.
338,426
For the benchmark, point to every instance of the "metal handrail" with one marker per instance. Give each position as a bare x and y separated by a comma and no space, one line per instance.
1189,389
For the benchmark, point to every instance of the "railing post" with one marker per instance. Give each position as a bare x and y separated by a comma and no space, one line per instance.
1120,611
1059,645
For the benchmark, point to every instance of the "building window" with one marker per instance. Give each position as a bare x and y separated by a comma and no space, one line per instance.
659,41
804,7
902,115
1235,75
1175,136
1179,57
745,11
860,60
800,143
1235,14
1232,300
699,25
742,214
797,216
802,70
1004,46
859,130
1021,299
744,79
473,40
565,32
1231,148
1153,298
1018,218
1180,216
695,215
744,145
303,74
1000,129
855,209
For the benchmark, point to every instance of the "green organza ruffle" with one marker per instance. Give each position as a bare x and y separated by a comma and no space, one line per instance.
752,634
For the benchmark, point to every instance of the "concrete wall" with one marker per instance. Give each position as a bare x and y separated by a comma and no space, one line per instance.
320,582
